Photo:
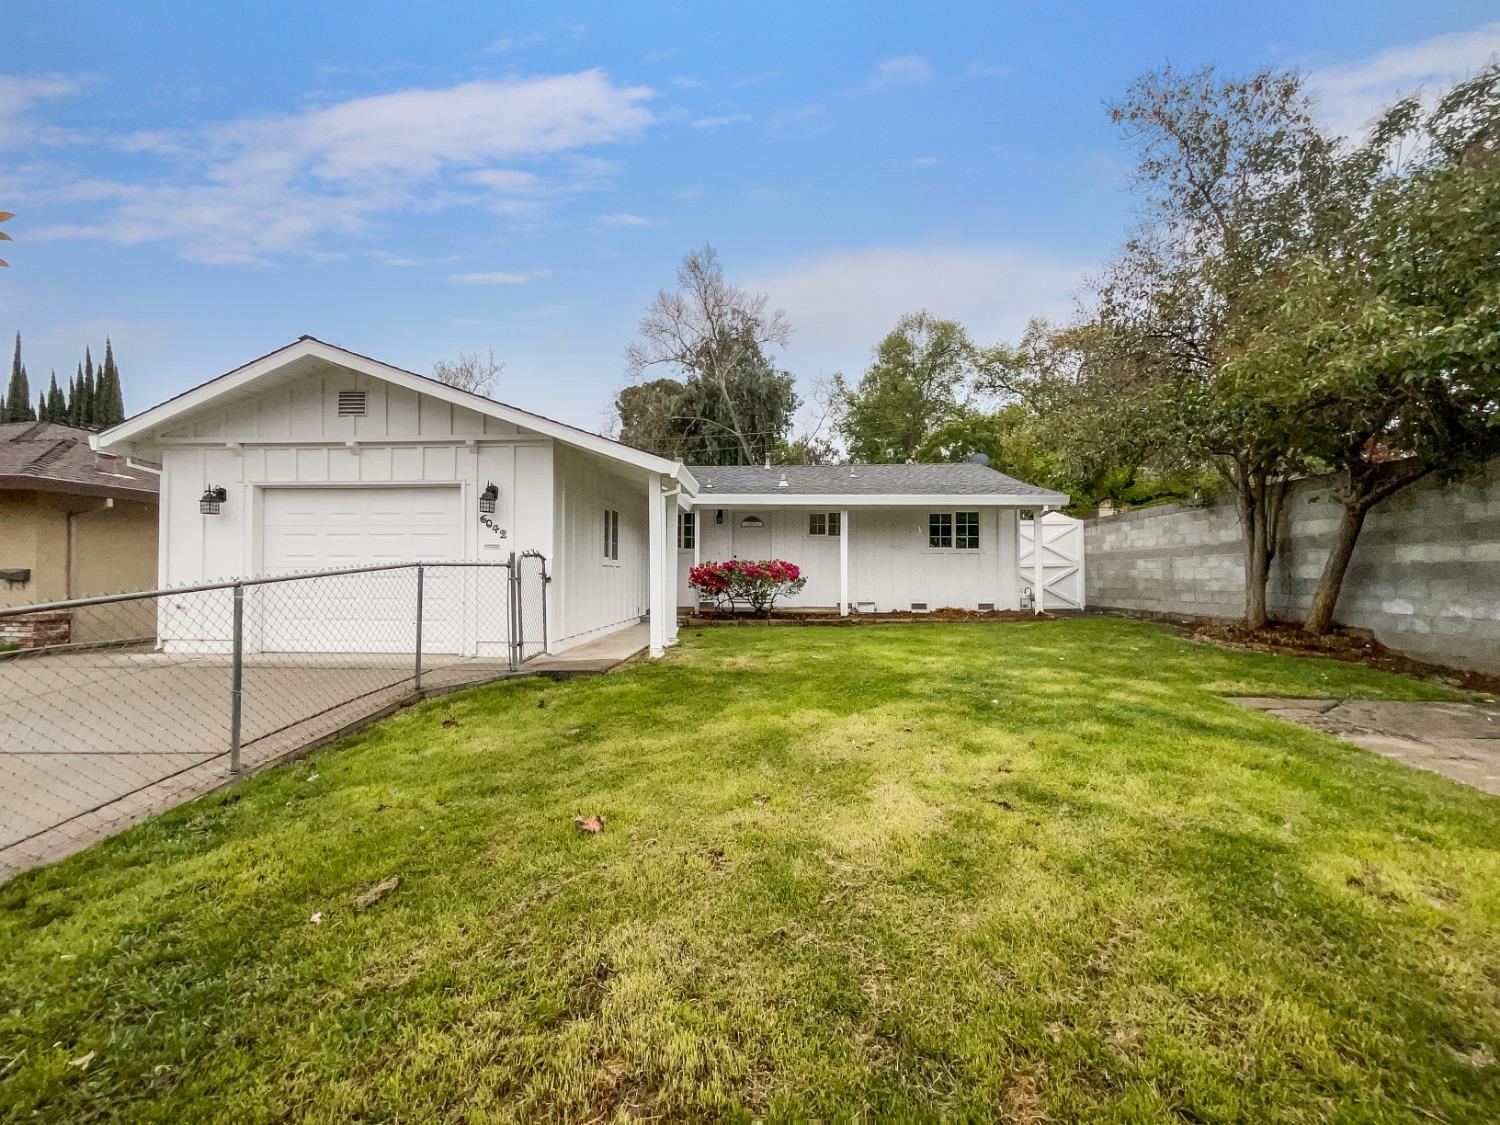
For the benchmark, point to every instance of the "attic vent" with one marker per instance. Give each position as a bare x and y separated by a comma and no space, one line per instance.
351,404
919,607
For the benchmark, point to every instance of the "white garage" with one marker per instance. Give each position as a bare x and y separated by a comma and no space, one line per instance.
327,460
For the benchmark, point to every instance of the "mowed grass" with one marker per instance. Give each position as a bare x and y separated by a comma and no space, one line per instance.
1021,870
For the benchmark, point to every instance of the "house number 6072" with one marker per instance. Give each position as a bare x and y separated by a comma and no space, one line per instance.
493,526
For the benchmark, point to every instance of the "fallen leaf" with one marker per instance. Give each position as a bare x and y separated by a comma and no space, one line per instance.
1006,805
1005,767
762,798
1055,1032
82,1062
317,917
450,721
593,823
377,892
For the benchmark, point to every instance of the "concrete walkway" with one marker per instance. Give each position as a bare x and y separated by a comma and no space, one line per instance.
1457,740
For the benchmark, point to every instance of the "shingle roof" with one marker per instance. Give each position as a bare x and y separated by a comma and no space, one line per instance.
964,479
48,457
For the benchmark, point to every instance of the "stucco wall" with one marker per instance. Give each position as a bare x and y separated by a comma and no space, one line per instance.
1425,577
75,546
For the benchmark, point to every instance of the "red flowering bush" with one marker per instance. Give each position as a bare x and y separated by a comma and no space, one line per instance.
758,584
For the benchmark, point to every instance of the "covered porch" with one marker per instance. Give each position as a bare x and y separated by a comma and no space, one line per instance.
950,552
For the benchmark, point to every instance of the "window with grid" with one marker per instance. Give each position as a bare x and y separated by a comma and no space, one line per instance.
822,523
611,535
687,530
966,531
940,529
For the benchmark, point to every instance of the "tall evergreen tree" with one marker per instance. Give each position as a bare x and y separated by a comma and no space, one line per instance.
90,391
111,408
57,405
76,404
18,393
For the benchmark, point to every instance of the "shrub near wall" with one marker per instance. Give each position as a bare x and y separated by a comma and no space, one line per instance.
1425,577
758,584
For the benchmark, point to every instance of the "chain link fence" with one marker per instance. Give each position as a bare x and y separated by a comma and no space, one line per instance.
114,708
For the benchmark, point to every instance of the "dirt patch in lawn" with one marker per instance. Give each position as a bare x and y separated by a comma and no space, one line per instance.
1342,644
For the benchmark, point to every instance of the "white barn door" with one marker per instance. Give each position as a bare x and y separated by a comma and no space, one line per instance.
1062,560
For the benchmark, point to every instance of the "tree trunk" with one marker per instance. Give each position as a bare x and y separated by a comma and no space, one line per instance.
1259,496
1320,616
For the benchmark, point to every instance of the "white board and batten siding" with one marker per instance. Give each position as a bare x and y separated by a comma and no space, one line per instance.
596,594
891,564
300,498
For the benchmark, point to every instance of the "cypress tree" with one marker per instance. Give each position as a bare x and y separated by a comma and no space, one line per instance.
18,393
75,403
41,406
57,405
112,398
90,391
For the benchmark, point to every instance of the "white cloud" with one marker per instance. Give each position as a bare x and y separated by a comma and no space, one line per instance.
924,161
498,277
841,303
981,69
718,121
623,219
245,189
1351,95
19,95
903,70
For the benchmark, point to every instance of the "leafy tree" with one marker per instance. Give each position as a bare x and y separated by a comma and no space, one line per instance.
1239,181
728,403
18,391
1386,344
916,383
713,336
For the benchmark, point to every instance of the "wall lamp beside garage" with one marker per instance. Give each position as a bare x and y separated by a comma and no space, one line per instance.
488,497
212,500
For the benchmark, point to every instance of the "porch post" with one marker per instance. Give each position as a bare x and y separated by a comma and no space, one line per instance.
669,510
1036,559
844,563
656,612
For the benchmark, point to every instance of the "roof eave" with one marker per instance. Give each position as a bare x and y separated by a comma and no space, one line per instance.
877,500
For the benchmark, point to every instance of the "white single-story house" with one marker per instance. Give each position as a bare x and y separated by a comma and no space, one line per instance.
330,459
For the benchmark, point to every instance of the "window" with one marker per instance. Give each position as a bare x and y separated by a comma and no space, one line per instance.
822,523
958,530
940,529
687,530
611,535
966,531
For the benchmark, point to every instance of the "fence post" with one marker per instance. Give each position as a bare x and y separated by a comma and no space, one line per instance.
236,678
418,676
513,599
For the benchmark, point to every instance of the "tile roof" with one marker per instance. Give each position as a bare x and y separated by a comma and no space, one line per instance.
963,479
49,457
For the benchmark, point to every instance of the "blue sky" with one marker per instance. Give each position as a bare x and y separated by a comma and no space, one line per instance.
206,182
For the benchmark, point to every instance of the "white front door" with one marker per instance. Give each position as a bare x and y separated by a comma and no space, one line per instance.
307,529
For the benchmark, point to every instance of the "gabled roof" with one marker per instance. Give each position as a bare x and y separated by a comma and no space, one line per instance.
51,457
868,484
308,346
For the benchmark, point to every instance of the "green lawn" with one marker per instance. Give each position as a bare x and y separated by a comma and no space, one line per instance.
1028,870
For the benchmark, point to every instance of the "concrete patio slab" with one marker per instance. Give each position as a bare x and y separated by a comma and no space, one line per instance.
1457,740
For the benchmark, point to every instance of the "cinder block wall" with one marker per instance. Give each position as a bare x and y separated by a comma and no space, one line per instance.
1425,577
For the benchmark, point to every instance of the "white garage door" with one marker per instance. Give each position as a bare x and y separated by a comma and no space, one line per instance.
327,528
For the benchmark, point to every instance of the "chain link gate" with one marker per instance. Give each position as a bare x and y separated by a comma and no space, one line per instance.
116,707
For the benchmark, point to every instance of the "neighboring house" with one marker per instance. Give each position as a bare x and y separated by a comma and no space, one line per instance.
331,459
873,538
73,523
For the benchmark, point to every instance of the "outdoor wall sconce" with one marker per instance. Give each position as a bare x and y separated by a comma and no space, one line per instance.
752,521
212,499
488,497
719,516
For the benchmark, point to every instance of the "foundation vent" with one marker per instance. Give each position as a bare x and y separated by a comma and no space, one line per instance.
919,607
351,404
986,607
